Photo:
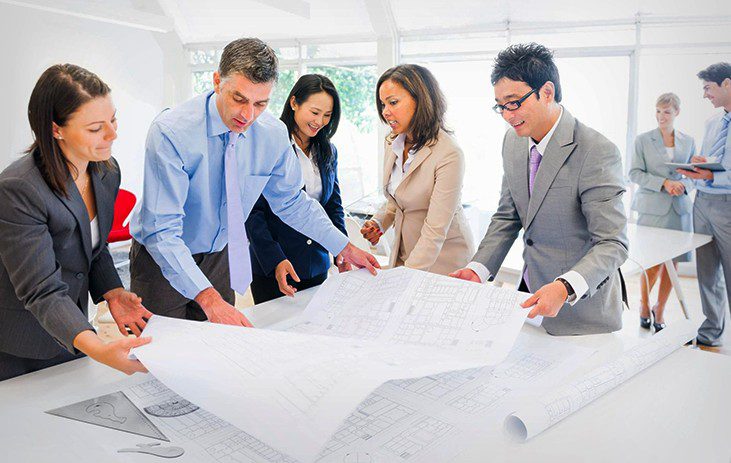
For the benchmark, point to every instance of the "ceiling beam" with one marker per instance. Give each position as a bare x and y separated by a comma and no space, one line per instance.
121,16
382,19
295,7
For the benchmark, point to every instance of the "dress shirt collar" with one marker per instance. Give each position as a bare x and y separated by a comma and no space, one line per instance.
215,124
544,143
398,144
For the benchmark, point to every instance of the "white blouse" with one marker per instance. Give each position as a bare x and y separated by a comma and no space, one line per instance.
95,238
310,173
670,152
399,166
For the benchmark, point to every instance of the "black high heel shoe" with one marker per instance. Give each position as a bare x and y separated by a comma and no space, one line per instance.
645,322
658,326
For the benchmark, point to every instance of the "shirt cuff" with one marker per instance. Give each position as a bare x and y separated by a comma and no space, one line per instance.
577,282
378,222
482,272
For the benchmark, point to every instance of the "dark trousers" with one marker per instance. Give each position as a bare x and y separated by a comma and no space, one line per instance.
12,366
159,297
266,288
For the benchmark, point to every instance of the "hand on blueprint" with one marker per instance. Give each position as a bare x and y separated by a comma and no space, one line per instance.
219,311
548,300
466,274
283,269
127,310
114,354
359,258
343,266
371,231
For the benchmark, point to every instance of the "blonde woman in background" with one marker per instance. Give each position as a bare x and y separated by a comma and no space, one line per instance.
662,199
423,176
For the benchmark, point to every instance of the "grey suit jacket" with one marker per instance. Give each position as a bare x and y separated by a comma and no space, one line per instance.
574,220
47,265
649,171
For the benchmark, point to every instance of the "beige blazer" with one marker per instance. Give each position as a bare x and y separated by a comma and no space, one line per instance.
432,233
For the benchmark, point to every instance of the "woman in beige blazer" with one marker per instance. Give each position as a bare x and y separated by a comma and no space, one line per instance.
423,176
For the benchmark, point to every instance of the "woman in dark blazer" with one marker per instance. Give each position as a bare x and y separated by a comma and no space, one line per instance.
57,208
284,260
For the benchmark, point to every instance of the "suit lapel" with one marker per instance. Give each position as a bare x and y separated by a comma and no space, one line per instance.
388,168
104,197
659,144
558,150
326,179
76,206
419,157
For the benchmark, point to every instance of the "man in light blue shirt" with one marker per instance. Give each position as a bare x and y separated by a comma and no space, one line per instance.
206,163
712,207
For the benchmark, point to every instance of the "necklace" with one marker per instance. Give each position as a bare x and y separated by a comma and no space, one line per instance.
86,185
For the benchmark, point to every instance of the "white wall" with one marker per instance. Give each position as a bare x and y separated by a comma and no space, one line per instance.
128,60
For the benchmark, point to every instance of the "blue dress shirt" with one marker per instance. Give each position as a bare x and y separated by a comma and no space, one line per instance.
183,206
721,183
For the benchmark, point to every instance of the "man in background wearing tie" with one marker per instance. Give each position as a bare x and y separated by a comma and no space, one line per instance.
712,207
562,184
206,163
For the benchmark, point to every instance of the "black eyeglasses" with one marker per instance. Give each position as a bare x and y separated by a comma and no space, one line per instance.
512,105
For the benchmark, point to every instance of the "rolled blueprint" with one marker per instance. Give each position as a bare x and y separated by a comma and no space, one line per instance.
540,413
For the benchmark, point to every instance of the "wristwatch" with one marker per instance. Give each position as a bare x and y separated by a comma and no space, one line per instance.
571,293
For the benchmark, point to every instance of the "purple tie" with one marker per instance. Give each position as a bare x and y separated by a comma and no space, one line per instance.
239,261
534,161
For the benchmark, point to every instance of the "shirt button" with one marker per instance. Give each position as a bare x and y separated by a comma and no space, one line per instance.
309,241
529,242
79,276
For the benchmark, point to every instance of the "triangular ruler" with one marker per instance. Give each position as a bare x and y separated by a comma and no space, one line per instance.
114,411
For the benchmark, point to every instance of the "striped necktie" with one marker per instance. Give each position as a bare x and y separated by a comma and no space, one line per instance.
719,147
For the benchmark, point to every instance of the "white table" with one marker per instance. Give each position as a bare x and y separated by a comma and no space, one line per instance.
650,418
648,247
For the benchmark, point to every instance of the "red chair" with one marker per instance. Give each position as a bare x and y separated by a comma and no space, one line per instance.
123,206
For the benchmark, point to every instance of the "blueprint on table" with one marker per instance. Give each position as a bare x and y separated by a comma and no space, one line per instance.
406,306
290,390
541,412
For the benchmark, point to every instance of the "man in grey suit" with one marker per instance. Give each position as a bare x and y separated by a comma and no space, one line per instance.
712,207
562,184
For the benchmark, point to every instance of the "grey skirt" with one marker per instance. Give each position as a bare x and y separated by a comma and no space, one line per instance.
673,221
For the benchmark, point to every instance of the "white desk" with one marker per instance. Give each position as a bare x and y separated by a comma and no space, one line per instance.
648,247
677,410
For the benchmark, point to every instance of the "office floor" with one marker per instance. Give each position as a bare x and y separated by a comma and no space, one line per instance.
630,317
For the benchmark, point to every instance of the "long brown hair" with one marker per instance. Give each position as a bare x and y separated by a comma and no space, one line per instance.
430,102
59,92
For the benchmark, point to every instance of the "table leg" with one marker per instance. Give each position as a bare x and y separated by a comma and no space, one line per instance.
676,285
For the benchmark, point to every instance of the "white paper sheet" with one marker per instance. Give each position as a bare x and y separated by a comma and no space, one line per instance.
289,390
435,417
536,415
407,306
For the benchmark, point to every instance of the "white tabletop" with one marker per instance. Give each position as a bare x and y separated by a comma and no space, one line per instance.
648,246
677,410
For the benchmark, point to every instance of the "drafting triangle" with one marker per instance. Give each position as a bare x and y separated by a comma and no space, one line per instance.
114,411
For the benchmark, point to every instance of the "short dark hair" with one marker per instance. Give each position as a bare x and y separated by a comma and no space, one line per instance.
307,85
716,73
531,63
431,106
59,92
251,58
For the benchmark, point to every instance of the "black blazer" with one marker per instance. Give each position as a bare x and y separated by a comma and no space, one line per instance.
47,266
271,240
